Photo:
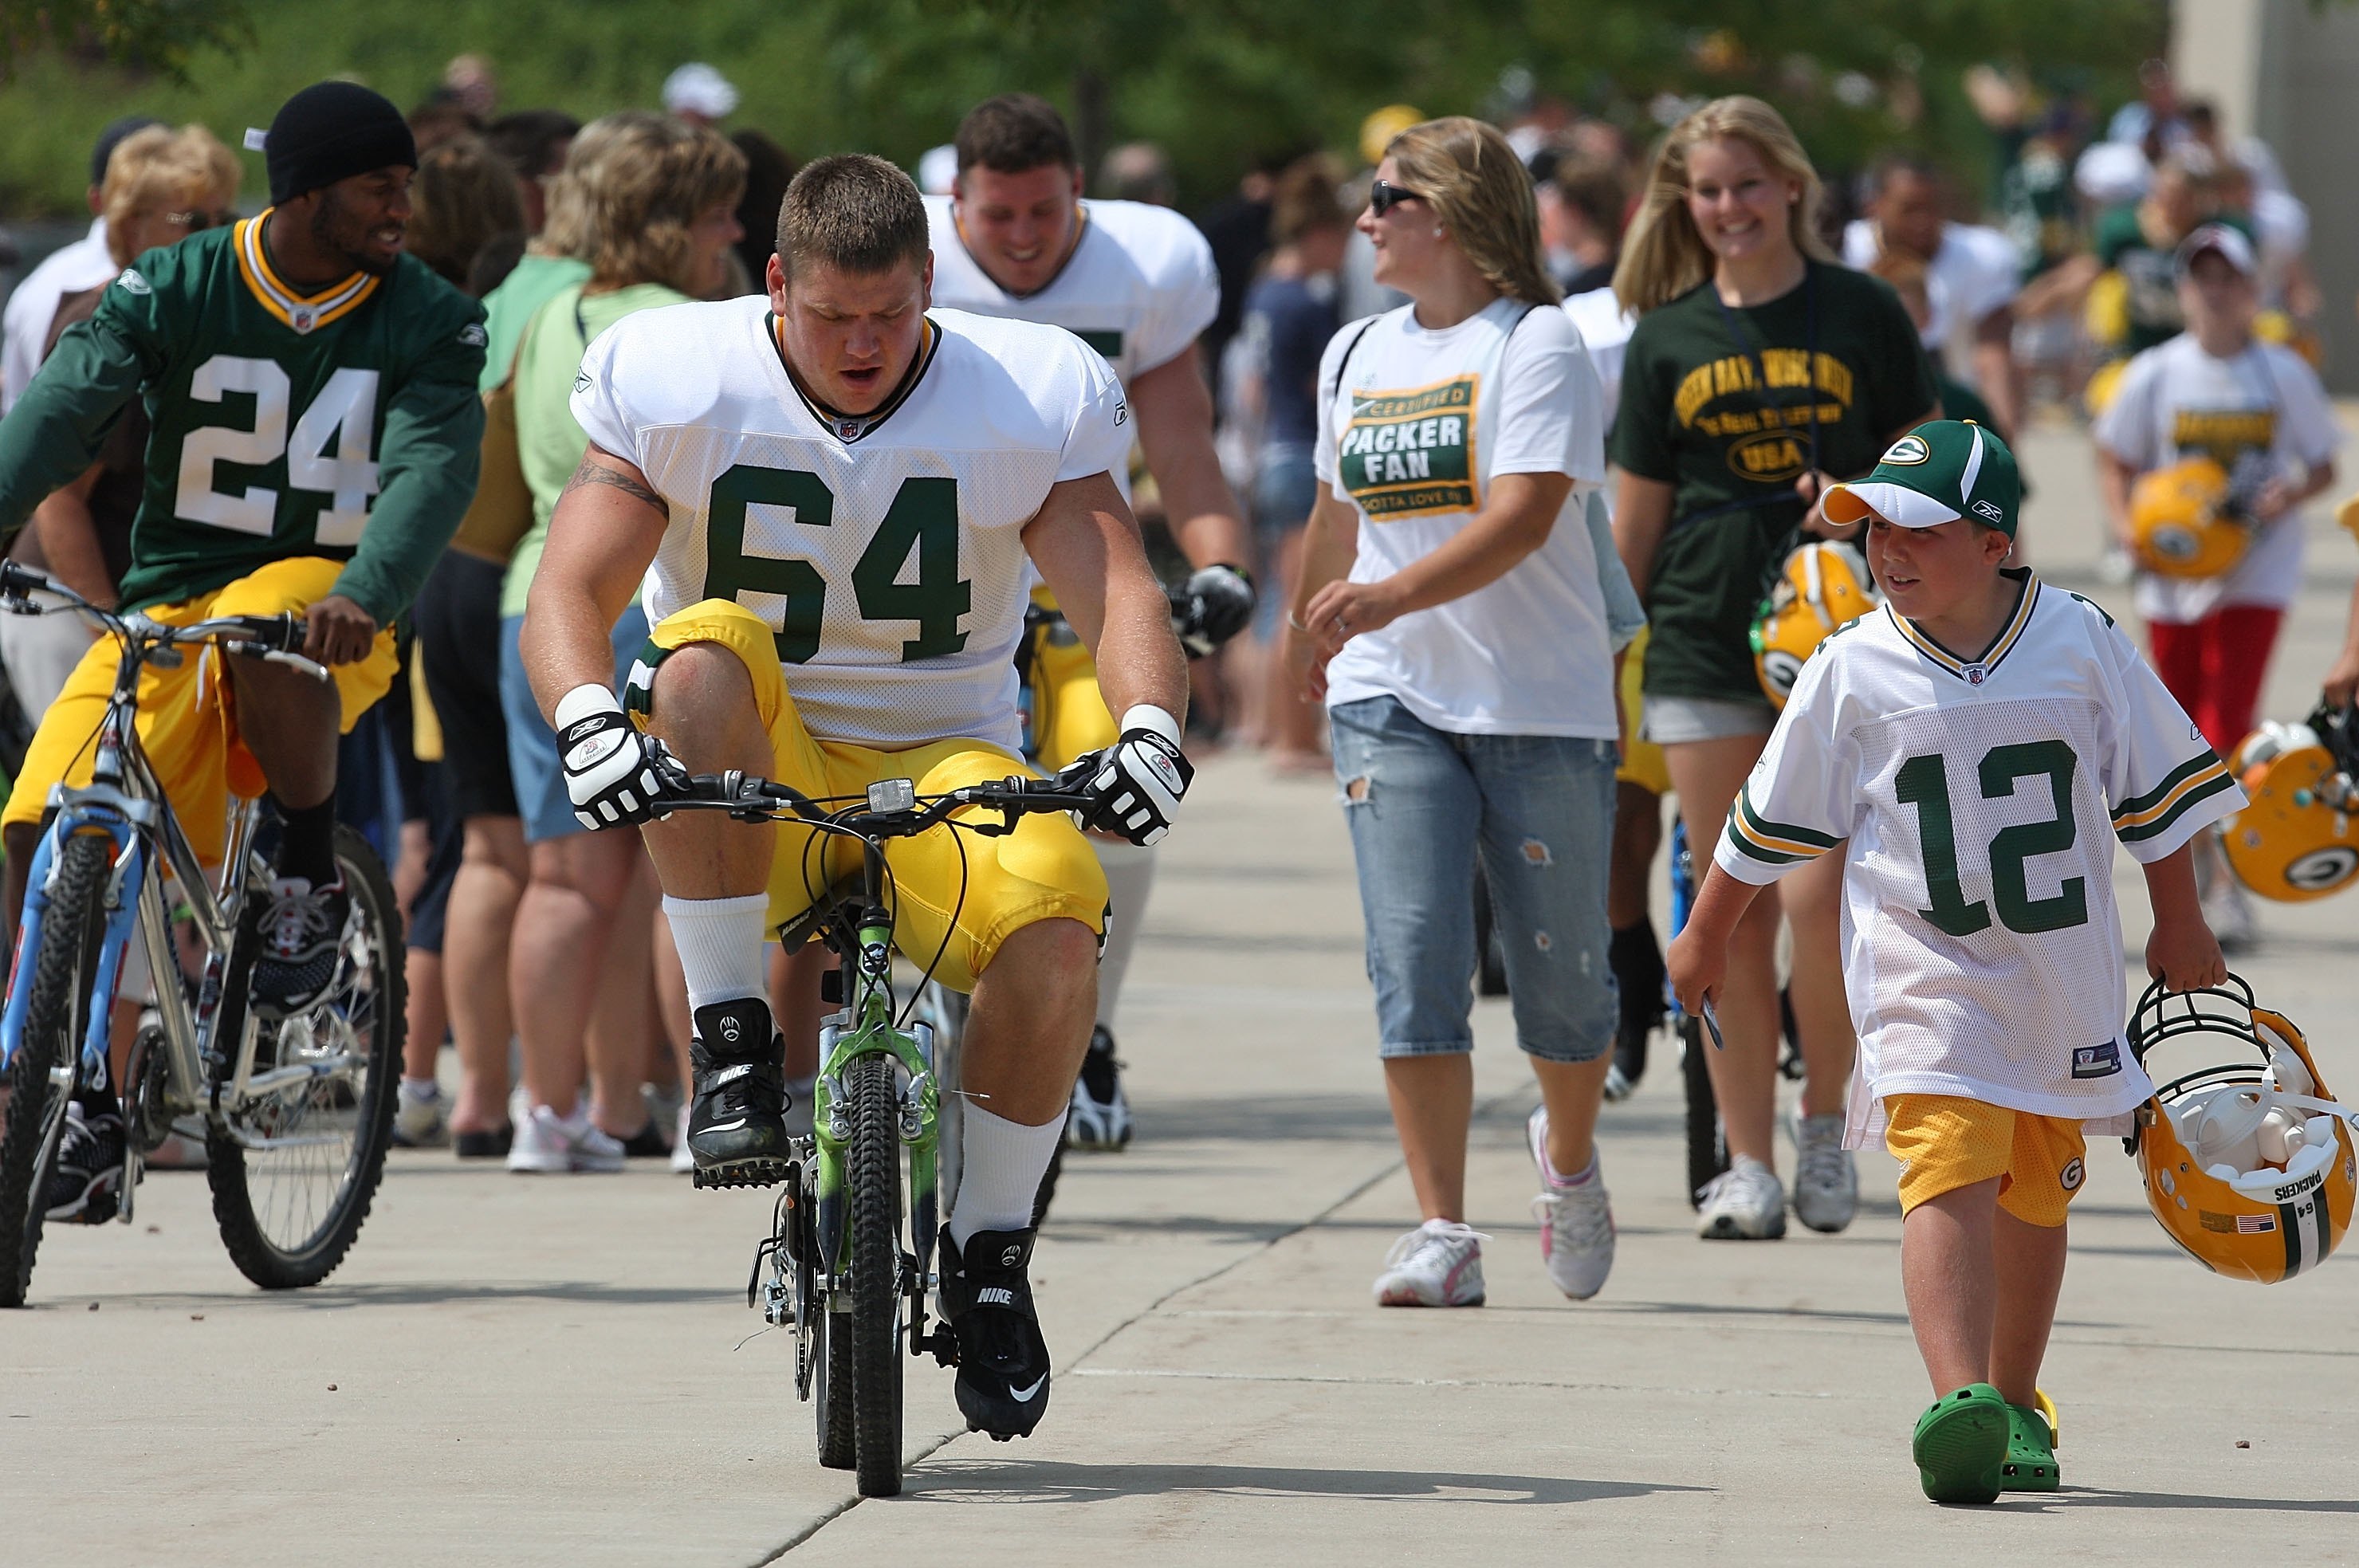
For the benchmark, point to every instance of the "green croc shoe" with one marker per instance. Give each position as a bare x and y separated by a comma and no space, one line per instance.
2031,1439
1961,1445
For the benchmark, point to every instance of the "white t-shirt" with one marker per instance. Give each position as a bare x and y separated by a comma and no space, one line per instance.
889,558
1605,328
2262,414
33,308
1975,271
1979,803
1412,432
1139,286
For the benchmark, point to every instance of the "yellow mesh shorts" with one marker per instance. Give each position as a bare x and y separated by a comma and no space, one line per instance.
187,717
1945,1142
1069,717
1642,760
1044,870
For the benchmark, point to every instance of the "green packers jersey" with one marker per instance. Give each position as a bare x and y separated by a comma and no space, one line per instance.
344,423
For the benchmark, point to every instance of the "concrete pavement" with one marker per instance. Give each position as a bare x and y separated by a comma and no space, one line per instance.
543,1370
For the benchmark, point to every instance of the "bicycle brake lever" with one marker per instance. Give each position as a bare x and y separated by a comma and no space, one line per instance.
312,668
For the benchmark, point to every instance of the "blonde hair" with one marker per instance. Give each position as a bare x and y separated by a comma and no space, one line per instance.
464,197
1479,191
159,169
633,185
1664,256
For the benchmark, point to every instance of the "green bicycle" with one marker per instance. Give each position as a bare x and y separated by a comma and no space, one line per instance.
842,1272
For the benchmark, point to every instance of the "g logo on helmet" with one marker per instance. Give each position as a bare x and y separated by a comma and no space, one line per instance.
2324,870
2172,542
1780,670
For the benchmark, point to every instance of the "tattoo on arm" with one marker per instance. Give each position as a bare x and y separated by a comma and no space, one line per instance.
592,471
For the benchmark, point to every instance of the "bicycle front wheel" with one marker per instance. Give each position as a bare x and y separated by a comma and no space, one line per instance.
872,1171
293,1173
56,1019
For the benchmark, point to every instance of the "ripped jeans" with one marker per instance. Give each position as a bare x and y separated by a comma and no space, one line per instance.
1422,803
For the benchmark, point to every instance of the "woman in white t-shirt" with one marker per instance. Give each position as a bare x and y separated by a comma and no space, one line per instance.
1450,613
2216,390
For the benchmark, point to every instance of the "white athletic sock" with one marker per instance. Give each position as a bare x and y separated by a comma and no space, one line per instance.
1002,1163
1130,877
719,943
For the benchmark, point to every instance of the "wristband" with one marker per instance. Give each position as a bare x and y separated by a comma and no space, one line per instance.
582,701
1147,716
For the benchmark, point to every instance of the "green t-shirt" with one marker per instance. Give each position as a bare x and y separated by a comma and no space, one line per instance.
2150,274
516,300
549,439
344,424
1693,416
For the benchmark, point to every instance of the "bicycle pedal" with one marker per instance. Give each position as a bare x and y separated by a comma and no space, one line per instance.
745,1173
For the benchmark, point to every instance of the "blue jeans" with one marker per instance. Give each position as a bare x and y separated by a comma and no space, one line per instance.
539,772
1422,803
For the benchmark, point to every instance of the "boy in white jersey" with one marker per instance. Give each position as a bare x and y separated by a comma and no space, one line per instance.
1135,282
836,503
1979,743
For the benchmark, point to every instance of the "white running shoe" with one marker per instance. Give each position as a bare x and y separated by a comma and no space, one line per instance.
549,1144
420,1116
1439,1264
1826,1182
1576,1222
1744,1202
683,1161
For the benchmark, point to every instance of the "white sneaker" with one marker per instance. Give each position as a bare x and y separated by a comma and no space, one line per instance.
683,1161
549,1144
1744,1202
420,1117
1826,1182
1576,1222
1439,1264
2229,913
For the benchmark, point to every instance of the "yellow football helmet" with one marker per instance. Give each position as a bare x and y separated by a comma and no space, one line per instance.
2298,837
2182,521
2252,1169
1824,584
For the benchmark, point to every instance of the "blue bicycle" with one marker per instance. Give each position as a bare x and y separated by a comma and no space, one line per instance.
296,1111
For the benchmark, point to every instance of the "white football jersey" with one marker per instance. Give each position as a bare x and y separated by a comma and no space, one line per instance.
886,551
1981,800
1139,286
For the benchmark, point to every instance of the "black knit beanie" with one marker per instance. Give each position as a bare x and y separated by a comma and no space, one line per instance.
329,132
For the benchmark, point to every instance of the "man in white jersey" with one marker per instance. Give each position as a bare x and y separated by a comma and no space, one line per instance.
1979,743
837,503
1972,275
1136,283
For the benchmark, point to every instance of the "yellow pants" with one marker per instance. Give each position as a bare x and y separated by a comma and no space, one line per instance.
1642,760
1945,1142
188,716
1069,717
1044,870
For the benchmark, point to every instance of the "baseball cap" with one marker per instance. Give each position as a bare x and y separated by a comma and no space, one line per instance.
697,88
1938,472
2232,246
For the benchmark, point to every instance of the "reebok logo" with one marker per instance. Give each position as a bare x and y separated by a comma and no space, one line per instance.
1988,512
473,336
130,282
2097,1061
994,1296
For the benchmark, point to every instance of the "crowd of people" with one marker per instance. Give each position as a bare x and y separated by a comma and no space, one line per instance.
1494,446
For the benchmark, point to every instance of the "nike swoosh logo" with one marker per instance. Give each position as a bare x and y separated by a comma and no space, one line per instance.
726,1126
1024,1396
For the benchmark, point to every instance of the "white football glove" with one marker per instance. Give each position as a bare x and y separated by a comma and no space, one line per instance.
1139,781
614,774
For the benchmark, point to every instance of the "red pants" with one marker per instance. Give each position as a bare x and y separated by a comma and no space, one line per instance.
2214,667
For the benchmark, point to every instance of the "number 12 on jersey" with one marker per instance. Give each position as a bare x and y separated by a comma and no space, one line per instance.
1923,782
923,516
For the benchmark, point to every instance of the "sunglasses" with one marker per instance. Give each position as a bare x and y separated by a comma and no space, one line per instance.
1384,196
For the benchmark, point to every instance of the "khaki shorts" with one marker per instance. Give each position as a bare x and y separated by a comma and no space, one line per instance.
1945,1142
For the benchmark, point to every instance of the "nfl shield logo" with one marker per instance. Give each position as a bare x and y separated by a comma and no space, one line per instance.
847,430
1974,673
303,318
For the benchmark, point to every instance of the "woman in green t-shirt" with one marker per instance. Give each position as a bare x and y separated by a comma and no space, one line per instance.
1758,368
659,200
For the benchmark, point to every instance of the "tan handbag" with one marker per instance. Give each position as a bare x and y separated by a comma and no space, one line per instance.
501,513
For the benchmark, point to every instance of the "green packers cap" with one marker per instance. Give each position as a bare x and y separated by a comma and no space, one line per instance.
1938,472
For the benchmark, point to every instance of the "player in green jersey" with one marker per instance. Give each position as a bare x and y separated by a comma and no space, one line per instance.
311,393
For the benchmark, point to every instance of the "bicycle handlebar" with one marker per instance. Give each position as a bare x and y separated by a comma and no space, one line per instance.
892,809
276,639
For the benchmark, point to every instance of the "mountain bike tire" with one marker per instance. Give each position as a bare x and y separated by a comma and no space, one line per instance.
55,1020
1707,1148
832,1377
276,1265
873,1173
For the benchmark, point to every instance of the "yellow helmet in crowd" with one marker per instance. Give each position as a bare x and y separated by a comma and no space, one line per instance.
2298,836
2250,1168
1824,584
2182,522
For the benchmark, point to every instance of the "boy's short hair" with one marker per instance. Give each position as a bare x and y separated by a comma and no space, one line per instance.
854,213
1013,133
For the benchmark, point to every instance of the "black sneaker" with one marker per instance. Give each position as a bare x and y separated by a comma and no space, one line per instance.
83,1188
1100,1117
1002,1366
491,1143
302,931
736,1118
1638,965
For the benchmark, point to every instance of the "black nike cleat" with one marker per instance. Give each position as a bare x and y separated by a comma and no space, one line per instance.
1003,1366
737,1120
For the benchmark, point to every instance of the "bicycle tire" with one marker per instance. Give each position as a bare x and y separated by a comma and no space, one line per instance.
70,932
1707,1149
832,1377
262,1259
872,1172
